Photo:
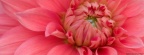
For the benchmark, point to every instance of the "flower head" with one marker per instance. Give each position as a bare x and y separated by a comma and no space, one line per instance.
71,27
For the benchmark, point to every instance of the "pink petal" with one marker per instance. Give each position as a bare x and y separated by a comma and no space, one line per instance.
139,50
9,49
119,31
119,20
6,23
1,8
63,50
134,26
32,2
11,6
55,5
132,42
113,4
52,27
142,13
134,7
84,51
126,51
17,34
13,38
3,29
6,20
37,45
106,51
142,39
70,38
36,19
123,50
59,34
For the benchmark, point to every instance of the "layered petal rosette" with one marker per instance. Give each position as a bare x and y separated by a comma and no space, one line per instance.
71,27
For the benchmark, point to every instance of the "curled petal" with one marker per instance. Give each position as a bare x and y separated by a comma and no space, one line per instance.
70,37
84,51
119,31
106,51
59,34
53,29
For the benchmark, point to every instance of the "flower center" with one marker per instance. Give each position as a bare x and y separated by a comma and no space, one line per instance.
92,20
89,24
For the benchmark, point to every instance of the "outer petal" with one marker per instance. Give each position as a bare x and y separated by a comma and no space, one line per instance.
32,2
132,42
123,50
134,26
134,7
129,8
127,51
6,20
12,6
139,50
106,51
6,23
38,45
113,4
36,19
142,39
63,50
9,49
13,38
1,9
55,5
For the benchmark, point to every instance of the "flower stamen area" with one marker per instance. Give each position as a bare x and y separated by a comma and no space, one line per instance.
92,20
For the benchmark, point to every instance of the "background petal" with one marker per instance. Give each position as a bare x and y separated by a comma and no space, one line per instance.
38,45
134,26
132,42
63,50
6,23
36,19
134,7
55,5
11,39
1,8
12,6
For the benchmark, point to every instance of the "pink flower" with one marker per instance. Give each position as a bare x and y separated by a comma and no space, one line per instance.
71,27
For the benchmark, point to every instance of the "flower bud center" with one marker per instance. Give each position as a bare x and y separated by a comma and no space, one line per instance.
88,25
92,20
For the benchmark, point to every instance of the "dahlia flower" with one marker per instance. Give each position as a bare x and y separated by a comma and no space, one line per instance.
71,27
